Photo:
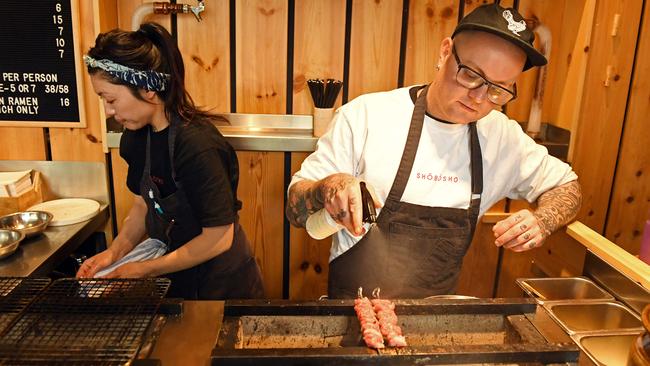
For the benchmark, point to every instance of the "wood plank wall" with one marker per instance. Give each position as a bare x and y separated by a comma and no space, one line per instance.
254,56
630,203
603,109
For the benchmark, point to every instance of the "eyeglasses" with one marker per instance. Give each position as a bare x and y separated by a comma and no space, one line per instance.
471,79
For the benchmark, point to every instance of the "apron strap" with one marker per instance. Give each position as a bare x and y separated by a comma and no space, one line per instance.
171,139
173,128
408,155
146,172
476,166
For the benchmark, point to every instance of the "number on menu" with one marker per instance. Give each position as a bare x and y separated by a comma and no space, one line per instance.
58,19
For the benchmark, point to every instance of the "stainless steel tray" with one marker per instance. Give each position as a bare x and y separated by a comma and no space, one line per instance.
586,317
606,348
562,289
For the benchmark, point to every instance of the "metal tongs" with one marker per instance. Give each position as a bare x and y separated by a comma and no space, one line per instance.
368,205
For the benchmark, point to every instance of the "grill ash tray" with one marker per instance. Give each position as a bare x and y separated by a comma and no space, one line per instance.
257,332
84,322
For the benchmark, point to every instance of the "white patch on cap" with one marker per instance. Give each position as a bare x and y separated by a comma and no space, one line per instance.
513,26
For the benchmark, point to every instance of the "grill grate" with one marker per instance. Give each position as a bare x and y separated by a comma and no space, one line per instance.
15,294
98,322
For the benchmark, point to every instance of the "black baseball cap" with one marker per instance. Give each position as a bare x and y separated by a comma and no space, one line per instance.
506,23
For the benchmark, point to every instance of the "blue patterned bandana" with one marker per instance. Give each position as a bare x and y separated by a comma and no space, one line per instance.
149,79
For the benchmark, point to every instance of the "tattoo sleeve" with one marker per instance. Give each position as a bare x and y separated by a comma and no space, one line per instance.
304,199
307,197
558,206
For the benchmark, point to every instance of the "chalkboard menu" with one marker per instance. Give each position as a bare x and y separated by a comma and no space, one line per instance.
40,65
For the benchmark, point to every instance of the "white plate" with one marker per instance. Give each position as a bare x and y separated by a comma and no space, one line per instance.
68,211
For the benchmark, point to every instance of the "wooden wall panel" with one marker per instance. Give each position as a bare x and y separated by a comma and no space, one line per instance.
205,47
309,259
603,107
261,190
545,12
22,143
473,4
261,56
319,44
429,23
630,202
374,46
564,54
108,15
125,9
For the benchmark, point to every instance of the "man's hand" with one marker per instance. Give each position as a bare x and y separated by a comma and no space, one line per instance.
338,193
96,263
342,199
519,232
555,208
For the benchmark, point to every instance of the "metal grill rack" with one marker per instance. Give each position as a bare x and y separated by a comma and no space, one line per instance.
84,322
15,294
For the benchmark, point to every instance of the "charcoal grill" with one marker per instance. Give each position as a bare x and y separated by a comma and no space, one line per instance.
83,322
15,294
327,332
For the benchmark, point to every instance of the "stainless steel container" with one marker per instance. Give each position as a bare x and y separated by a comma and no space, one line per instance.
9,240
30,223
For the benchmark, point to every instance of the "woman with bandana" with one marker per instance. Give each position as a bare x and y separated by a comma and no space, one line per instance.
184,175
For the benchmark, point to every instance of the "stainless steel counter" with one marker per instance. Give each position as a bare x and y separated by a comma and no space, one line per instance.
260,132
59,179
40,255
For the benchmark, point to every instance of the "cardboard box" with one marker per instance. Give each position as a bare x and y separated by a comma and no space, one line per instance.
33,196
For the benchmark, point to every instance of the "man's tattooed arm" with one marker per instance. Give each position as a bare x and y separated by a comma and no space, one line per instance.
304,199
558,206
307,196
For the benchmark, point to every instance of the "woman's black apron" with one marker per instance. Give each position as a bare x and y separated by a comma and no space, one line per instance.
412,251
234,274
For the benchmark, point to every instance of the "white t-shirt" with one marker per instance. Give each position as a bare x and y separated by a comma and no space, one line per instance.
368,135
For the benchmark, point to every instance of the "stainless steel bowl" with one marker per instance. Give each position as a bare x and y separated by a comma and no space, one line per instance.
9,240
30,223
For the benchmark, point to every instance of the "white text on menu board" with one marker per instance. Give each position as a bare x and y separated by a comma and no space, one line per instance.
32,82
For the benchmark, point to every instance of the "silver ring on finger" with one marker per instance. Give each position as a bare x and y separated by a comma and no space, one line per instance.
523,227
531,244
526,235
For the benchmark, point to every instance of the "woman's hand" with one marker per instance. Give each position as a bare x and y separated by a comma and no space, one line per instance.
131,270
519,232
96,263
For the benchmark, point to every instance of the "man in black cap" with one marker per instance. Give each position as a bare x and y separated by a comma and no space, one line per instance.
438,157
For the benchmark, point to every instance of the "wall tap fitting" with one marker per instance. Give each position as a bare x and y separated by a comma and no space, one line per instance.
168,8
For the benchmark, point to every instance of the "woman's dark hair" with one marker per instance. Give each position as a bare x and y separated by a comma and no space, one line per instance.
150,48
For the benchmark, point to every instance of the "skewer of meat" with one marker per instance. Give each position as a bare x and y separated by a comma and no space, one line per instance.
385,312
369,323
